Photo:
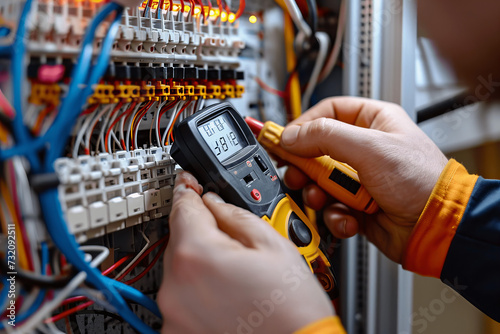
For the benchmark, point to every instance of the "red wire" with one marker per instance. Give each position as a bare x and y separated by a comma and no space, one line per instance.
143,256
192,7
116,265
148,268
175,119
199,2
106,138
134,122
6,107
182,4
162,112
118,106
69,312
269,89
109,270
241,9
90,109
219,3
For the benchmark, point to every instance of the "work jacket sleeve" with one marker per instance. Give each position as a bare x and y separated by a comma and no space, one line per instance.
457,237
328,325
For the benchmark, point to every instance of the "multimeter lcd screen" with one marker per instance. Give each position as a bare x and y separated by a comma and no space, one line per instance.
221,136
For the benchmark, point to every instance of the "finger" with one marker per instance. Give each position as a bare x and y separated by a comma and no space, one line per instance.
189,218
240,224
295,179
340,221
314,197
325,136
357,111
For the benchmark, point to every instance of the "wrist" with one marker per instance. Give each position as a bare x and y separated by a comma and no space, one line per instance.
432,235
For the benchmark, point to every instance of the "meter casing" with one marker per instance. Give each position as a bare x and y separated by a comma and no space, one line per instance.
242,176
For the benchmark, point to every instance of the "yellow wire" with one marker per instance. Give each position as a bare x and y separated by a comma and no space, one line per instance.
22,256
291,61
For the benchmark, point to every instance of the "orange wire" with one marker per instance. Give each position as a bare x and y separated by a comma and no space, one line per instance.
241,8
41,117
175,119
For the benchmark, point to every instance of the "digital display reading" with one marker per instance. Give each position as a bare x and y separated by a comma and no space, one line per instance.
221,137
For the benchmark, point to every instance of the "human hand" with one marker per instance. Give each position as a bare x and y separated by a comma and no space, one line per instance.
228,271
396,162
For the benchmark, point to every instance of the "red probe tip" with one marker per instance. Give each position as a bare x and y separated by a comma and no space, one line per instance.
255,125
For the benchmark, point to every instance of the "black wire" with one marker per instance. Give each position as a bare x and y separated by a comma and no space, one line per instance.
31,280
458,101
6,121
313,15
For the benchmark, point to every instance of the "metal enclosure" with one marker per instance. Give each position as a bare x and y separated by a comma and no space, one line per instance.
379,58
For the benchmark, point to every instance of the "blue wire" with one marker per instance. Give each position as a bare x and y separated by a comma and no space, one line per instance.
61,129
71,106
135,295
41,295
5,291
17,59
61,237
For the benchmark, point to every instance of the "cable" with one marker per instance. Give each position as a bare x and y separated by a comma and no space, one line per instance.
138,256
453,103
21,132
149,267
324,42
170,130
33,321
41,295
61,127
334,55
297,18
313,15
269,89
109,119
240,10
92,126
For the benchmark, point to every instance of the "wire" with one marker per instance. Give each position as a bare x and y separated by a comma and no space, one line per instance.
170,130
269,89
61,127
5,106
23,255
41,295
92,126
334,55
21,132
297,18
110,119
240,10
149,267
41,117
142,257
33,321
313,15
324,42
138,256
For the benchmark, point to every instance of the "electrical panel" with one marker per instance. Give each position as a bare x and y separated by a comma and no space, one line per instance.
89,94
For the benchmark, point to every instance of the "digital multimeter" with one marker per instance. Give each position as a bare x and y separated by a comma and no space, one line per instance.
218,148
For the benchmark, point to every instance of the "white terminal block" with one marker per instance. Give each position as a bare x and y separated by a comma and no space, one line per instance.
109,192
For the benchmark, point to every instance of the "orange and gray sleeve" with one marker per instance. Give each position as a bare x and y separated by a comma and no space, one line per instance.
457,237
328,325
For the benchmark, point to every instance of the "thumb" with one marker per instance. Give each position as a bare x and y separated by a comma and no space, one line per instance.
326,136
241,225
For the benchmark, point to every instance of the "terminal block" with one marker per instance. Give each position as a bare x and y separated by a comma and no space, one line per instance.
109,192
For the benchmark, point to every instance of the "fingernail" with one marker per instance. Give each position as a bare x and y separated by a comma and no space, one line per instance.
342,226
214,197
290,135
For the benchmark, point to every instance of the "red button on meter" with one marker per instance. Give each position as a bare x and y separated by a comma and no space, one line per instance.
256,194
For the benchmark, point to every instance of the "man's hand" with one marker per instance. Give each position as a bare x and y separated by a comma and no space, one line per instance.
397,163
228,271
